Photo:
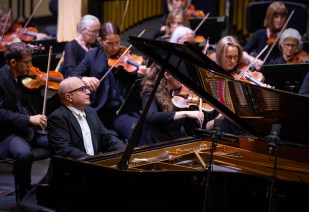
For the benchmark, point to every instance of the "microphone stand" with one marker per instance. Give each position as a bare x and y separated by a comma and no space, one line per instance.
216,135
273,143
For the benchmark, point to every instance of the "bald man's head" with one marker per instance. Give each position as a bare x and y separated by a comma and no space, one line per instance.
67,85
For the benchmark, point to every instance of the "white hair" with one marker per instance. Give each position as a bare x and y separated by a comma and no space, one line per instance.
86,21
179,32
290,33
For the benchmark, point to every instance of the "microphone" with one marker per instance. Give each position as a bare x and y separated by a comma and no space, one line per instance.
216,132
273,138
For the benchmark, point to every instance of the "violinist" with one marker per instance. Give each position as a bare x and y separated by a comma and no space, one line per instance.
275,18
19,128
229,57
74,52
175,18
163,122
290,45
107,95
171,6
12,31
186,5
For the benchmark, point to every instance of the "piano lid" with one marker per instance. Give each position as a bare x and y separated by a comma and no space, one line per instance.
251,107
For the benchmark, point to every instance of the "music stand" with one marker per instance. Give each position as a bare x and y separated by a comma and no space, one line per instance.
286,77
207,28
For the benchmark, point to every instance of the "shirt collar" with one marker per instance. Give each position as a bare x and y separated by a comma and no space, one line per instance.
78,113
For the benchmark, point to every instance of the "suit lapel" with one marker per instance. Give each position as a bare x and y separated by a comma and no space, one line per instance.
74,122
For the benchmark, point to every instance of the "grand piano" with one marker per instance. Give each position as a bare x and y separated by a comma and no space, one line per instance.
204,172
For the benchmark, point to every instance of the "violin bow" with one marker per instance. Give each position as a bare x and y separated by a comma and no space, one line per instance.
278,36
263,50
202,21
206,46
46,83
6,23
124,14
31,16
109,70
187,6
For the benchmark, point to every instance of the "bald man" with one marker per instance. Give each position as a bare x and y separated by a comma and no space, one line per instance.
74,129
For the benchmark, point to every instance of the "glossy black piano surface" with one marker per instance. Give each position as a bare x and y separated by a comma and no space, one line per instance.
171,176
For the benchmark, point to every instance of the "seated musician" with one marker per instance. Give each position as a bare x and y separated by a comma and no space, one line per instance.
11,30
275,18
109,94
88,32
290,45
170,6
19,132
75,118
175,18
229,57
163,122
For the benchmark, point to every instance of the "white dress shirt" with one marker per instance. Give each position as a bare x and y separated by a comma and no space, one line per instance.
81,118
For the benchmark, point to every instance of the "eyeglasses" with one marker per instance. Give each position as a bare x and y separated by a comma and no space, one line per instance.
28,62
93,32
288,45
230,57
82,89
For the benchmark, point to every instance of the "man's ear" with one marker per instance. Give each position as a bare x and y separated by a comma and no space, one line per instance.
68,97
12,62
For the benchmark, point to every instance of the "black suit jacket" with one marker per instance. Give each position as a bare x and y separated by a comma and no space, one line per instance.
65,135
14,118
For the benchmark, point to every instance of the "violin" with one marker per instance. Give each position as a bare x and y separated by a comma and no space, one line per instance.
300,58
27,34
201,40
128,62
37,79
193,13
272,39
184,98
245,74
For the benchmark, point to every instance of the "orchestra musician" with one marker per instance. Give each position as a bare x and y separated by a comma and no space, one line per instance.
290,44
10,30
176,5
19,129
74,118
175,18
229,57
74,52
163,122
109,94
275,18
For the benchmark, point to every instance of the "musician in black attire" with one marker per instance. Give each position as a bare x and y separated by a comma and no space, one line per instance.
18,129
275,18
163,122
